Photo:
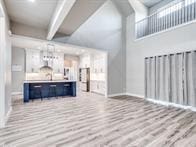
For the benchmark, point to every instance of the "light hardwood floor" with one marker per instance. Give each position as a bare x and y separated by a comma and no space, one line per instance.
94,121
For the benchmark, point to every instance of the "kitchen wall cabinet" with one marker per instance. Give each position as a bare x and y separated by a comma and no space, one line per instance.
85,61
32,61
58,63
99,64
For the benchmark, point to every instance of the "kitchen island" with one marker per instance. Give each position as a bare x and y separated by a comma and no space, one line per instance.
47,89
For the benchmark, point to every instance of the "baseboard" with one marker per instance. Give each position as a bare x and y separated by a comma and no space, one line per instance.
117,94
129,94
4,120
16,93
135,95
171,104
8,115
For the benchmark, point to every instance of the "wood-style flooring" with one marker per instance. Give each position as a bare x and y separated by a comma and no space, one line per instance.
94,121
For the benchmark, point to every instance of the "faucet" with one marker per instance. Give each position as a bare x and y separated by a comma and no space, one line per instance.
49,75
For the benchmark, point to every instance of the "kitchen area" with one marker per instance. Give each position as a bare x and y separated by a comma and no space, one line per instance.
51,71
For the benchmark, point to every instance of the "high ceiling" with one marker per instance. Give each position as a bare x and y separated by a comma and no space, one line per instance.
124,7
79,13
36,14
150,3
40,13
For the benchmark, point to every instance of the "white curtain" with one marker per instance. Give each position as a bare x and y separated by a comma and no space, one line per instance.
189,78
162,87
194,78
172,78
147,77
176,80
158,77
150,77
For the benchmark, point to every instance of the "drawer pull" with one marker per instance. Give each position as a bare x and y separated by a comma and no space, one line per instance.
38,86
52,85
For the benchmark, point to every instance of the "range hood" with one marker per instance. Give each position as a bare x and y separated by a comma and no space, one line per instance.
46,68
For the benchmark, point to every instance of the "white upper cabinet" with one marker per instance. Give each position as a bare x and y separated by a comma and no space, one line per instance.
32,61
85,61
99,64
58,63
35,60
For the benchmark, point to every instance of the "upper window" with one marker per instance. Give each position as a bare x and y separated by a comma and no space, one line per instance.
189,2
170,10
174,7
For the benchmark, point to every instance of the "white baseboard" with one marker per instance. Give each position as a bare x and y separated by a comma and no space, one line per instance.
117,94
4,120
129,94
171,104
135,95
16,93
8,115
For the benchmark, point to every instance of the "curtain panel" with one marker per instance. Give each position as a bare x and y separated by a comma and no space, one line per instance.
171,78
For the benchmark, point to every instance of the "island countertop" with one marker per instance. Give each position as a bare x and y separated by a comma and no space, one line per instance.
48,81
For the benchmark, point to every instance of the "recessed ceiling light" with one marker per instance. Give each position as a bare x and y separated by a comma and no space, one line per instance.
31,1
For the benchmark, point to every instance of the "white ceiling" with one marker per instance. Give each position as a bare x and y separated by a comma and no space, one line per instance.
150,3
39,13
36,14
80,12
124,7
32,43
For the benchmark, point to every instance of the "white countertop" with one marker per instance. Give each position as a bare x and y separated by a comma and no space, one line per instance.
46,81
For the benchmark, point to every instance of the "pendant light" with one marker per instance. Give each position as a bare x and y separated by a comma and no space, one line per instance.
49,57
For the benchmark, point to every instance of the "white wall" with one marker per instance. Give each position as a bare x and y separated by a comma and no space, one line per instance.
5,68
103,31
177,40
18,58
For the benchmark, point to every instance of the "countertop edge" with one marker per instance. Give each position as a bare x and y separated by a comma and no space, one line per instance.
60,81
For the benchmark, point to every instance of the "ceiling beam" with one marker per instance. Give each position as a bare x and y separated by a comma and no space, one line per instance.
141,11
62,10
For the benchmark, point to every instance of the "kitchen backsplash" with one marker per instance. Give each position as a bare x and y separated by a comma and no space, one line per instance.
40,76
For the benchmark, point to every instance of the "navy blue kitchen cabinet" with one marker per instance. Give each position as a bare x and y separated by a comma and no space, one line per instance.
65,88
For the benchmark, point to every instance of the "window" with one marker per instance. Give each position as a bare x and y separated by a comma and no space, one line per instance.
170,10
189,2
